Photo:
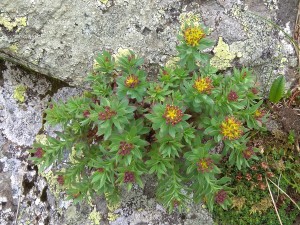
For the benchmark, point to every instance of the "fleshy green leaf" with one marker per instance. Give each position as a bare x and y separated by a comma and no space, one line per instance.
277,89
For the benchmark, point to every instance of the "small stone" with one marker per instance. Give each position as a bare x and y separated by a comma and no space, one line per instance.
3,199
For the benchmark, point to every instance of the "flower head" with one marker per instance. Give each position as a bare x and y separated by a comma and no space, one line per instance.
173,114
270,174
254,90
203,85
221,197
232,96
231,128
262,185
107,114
259,177
258,114
39,153
205,165
132,81
239,176
125,148
248,153
129,177
264,165
192,35
248,176
100,170
254,168
86,113
176,203
60,179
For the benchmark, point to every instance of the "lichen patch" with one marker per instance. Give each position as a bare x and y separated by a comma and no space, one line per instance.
223,56
10,24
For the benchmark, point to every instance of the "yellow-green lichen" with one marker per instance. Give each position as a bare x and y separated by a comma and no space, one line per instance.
188,19
19,93
10,24
41,138
53,184
95,217
71,214
112,216
122,52
13,48
95,65
223,56
111,208
103,1
172,62
74,155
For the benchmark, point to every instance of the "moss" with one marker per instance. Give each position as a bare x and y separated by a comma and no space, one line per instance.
95,217
10,24
223,57
19,93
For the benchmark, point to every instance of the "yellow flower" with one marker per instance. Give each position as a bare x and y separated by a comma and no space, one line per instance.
173,114
193,35
203,85
231,128
132,81
205,165
258,114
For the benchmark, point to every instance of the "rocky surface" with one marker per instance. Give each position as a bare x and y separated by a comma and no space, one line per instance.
60,38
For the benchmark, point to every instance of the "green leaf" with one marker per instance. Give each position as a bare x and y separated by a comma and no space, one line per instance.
211,131
277,89
172,131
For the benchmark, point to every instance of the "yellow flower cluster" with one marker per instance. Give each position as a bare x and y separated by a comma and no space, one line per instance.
205,165
193,35
231,128
203,85
259,114
173,114
132,81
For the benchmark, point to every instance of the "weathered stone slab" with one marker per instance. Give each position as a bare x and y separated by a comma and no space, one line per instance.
60,38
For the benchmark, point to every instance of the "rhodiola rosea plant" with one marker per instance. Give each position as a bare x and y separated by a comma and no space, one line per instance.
179,128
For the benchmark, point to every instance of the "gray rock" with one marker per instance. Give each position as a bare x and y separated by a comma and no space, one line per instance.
60,38
21,111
